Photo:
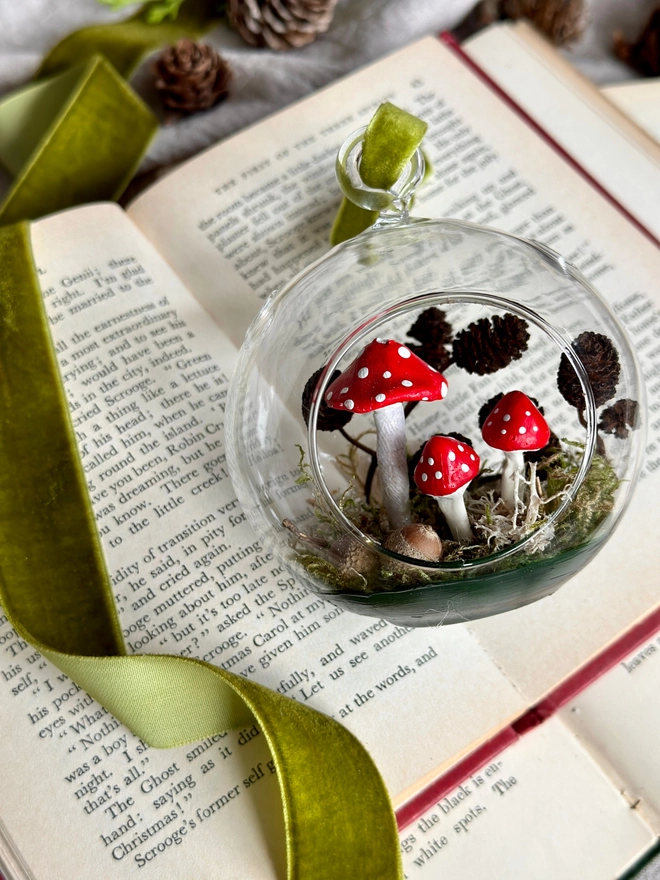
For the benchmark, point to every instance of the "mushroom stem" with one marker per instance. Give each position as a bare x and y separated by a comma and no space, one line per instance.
393,463
514,464
453,509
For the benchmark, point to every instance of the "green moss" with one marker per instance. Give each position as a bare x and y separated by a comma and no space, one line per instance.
594,501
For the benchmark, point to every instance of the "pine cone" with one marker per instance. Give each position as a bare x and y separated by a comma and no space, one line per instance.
644,55
616,419
432,328
280,24
562,21
328,419
191,77
485,347
435,356
601,361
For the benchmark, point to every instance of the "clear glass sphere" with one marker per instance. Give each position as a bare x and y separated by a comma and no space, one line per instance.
303,488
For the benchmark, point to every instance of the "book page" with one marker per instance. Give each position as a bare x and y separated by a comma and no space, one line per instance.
146,374
640,101
617,718
259,206
542,808
607,143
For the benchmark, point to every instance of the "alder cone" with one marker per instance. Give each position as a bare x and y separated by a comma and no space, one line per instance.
280,24
191,77
328,419
488,345
600,359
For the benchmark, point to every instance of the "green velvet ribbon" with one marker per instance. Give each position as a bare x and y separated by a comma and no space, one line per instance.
55,591
72,138
389,142
125,43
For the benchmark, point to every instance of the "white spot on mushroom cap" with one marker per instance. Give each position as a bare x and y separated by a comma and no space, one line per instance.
438,475
328,395
465,468
363,372
443,389
472,458
535,428
424,398
382,341
489,423
387,374
344,390
461,448
431,461
522,429
497,409
452,456
403,351
506,418
407,383
380,398
527,412
424,478
503,431
349,404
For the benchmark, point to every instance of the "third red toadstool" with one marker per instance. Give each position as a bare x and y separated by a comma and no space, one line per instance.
381,379
514,426
443,472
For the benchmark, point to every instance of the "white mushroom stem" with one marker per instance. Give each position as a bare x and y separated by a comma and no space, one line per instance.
393,463
453,509
514,465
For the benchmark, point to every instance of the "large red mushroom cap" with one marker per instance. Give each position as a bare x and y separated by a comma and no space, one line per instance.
515,425
386,372
445,466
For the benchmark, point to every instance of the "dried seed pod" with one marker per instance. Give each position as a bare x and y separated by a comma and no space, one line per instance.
616,419
353,558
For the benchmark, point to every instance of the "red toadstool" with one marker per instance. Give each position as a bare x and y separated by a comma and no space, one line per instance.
381,379
514,426
443,472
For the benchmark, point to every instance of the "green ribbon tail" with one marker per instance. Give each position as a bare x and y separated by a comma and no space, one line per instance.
73,138
55,590
390,140
125,43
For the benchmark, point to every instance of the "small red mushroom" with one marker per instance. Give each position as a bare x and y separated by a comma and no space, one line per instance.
514,426
444,470
380,380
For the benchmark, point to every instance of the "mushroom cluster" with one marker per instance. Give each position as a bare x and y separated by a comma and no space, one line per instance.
380,380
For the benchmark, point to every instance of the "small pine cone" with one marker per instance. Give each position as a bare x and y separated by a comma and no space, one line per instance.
601,361
616,419
562,21
432,328
487,346
328,419
280,24
644,55
435,356
191,77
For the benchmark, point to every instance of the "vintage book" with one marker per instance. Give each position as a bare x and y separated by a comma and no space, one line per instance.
147,308
640,100
605,141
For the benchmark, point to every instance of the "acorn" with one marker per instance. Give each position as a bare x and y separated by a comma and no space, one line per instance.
417,541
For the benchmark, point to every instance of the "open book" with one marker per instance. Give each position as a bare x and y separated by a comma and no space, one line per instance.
147,309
